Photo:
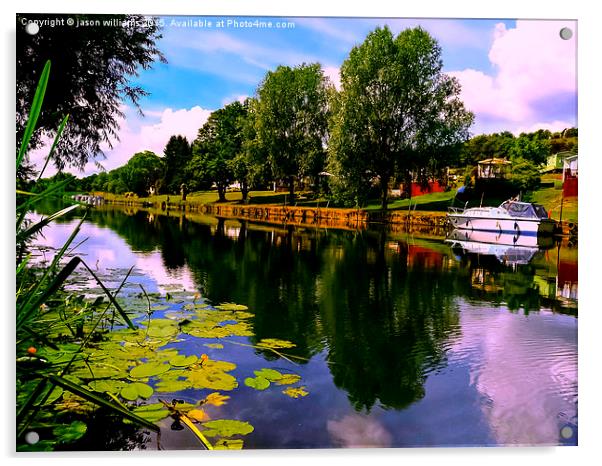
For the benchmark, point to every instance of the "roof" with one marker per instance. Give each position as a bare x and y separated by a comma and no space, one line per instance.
495,161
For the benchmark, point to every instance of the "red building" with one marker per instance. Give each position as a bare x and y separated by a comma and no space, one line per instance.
569,177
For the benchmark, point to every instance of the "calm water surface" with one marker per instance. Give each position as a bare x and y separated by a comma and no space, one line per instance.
410,341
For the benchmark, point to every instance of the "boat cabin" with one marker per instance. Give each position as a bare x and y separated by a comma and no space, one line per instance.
524,209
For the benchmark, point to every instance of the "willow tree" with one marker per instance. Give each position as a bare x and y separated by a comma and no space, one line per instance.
398,115
94,71
292,121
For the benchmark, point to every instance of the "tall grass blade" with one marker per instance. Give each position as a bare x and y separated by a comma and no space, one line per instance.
34,113
35,228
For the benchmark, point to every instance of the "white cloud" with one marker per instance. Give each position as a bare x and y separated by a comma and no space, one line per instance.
531,64
136,136
355,430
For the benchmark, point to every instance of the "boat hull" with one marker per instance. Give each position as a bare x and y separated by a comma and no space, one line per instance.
503,225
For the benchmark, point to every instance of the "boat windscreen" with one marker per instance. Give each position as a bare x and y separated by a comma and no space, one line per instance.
519,209
540,211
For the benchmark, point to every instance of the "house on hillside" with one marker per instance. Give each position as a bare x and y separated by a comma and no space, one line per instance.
494,168
570,176
555,162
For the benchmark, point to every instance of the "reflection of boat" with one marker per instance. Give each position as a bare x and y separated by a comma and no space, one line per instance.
518,218
509,249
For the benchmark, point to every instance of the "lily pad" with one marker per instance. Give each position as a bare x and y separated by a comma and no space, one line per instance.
111,386
171,386
295,392
183,361
163,331
153,412
270,374
258,383
227,428
70,432
214,380
198,415
136,390
214,345
231,307
148,370
275,343
228,444
215,399
288,379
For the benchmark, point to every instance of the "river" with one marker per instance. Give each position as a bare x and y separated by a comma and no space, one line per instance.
408,341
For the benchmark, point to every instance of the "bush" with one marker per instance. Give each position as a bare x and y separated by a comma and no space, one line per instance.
525,175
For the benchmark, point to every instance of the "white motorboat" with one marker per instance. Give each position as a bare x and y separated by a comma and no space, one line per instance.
514,217
507,248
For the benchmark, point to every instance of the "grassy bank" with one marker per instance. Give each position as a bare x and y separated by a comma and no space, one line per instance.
550,196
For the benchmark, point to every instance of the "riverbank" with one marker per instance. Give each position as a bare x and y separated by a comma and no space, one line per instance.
329,217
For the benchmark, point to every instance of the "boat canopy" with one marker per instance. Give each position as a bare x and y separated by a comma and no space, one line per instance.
524,209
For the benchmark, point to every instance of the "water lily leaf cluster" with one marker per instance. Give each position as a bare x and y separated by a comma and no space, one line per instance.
141,366
265,377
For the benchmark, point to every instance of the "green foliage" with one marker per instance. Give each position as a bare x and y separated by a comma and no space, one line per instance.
90,81
525,175
397,113
143,171
487,146
176,155
292,121
533,147
218,143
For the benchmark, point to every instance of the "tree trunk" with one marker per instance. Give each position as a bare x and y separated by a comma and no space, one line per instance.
384,186
221,192
244,190
291,190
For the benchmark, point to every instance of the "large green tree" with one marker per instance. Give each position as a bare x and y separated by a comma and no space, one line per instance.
176,155
292,121
90,79
218,142
143,171
397,115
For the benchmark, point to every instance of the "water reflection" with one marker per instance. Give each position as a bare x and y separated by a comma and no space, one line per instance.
396,320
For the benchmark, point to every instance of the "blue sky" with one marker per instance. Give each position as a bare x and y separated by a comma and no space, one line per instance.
515,75
210,64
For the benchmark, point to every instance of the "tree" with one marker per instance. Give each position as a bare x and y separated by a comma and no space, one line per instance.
487,146
534,147
292,121
218,142
525,175
142,172
250,167
397,111
176,154
91,68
